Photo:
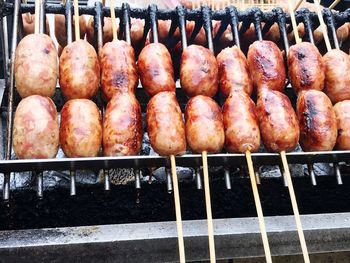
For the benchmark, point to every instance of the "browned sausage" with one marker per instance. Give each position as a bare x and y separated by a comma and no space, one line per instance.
118,68
165,126
317,121
35,128
122,126
305,67
242,131
204,125
36,67
107,30
80,129
61,32
266,66
156,69
198,72
79,70
342,112
28,24
233,72
337,75
277,121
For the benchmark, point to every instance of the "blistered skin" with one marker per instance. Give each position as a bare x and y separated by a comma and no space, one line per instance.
61,32
79,71
204,125
342,112
122,126
266,66
156,69
242,131
305,67
165,126
233,72
198,71
317,121
35,128
278,122
118,69
337,75
80,129
36,66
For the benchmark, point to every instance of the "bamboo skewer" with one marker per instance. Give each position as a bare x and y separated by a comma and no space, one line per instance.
177,210
322,25
208,207
114,26
294,22
36,16
258,208
76,20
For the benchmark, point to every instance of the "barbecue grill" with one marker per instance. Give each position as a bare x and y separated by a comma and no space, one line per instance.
144,233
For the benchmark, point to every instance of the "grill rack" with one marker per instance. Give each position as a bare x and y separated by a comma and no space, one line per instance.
203,18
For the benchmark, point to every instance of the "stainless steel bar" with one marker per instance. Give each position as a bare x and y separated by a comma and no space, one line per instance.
337,173
137,178
69,23
107,180
227,179
42,16
152,9
257,23
126,21
169,184
198,179
72,183
257,177
40,184
208,27
5,48
285,183
182,25
310,168
233,14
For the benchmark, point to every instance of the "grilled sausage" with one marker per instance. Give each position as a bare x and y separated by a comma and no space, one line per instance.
118,69
166,129
79,70
277,121
80,129
337,75
233,72
241,125
204,125
156,69
61,32
35,128
122,126
342,112
305,67
36,67
198,72
317,121
266,66
107,30
28,24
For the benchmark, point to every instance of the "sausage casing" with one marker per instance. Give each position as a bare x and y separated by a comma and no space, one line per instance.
204,125
156,69
317,121
242,131
81,128
165,126
61,32
122,126
79,71
342,112
305,67
36,66
233,72
266,65
198,71
277,121
35,128
118,69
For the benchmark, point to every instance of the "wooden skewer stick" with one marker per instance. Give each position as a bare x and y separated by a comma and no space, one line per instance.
322,25
76,20
334,4
295,207
258,208
114,26
208,207
297,5
36,16
180,237
294,22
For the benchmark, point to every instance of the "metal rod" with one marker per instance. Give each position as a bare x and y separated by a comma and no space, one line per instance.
227,179
281,20
308,24
310,168
331,27
257,23
169,185
257,177
337,173
182,25
69,17
198,179
107,180
137,178
154,22
5,49
126,22
72,183
42,24
40,184
285,183
231,11
206,15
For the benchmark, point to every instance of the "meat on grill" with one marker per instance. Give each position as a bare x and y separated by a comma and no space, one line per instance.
342,112
28,21
61,32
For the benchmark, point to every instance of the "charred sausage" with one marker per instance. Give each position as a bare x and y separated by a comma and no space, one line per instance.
35,128
317,121
277,121
36,67
118,69
156,69
79,70
233,72
242,131
122,126
198,71
305,67
80,129
166,129
204,125
342,112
